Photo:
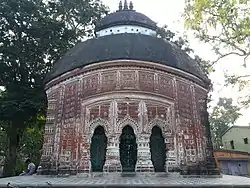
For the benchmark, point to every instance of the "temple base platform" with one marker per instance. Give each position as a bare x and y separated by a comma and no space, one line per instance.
116,180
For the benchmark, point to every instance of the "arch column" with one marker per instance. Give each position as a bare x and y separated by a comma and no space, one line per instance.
112,163
144,163
84,162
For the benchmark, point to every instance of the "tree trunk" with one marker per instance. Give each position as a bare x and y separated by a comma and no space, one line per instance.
13,136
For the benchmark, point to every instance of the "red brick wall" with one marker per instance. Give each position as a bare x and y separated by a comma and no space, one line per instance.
77,103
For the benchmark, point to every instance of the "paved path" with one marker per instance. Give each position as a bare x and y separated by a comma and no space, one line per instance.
115,180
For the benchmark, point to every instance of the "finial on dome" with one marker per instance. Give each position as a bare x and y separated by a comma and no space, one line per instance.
131,6
125,7
120,5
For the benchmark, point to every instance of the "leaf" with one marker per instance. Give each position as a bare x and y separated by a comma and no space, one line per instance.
34,34
223,115
224,24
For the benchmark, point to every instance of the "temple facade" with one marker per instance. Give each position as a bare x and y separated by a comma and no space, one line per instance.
126,101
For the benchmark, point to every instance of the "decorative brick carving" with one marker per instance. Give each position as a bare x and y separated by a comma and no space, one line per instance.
143,116
128,79
165,85
113,115
113,98
109,80
146,80
98,122
90,84
128,121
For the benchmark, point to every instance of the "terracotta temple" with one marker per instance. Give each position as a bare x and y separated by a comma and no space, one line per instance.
127,101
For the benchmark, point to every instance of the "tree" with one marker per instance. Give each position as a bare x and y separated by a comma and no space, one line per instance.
3,139
34,34
78,16
183,43
225,25
222,24
3,143
223,115
31,145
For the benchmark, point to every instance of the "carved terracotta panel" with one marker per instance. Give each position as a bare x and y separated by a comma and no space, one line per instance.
146,81
108,80
128,79
90,84
123,110
166,85
185,103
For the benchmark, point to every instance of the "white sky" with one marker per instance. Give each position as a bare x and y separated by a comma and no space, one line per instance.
168,12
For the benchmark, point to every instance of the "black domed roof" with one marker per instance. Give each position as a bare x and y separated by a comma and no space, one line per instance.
125,46
125,17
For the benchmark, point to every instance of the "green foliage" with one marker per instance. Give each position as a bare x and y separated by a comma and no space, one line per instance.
78,15
3,142
183,43
31,145
224,115
34,34
168,35
242,82
225,25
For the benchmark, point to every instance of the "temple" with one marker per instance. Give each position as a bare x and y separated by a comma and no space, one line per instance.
127,101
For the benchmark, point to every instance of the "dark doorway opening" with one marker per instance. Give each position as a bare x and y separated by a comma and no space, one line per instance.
98,149
157,149
128,149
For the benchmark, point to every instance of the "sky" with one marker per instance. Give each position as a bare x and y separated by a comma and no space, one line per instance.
169,12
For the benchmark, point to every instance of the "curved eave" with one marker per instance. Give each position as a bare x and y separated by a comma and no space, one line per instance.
50,77
49,80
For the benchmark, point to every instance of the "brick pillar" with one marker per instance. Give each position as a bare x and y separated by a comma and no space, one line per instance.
144,163
84,161
51,150
112,163
210,164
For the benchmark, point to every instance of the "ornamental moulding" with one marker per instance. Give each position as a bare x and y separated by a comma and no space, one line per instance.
126,95
128,121
124,64
159,123
98,122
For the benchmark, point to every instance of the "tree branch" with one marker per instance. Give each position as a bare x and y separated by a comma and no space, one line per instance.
224,55
217,38
243,76
245,59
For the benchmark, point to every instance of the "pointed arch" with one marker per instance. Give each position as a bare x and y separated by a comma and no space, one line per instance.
128,149
128,121
158,149
159,123
98,147
95,123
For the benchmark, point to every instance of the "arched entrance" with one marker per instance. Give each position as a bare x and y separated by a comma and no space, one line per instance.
157,149
98,149
128,149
